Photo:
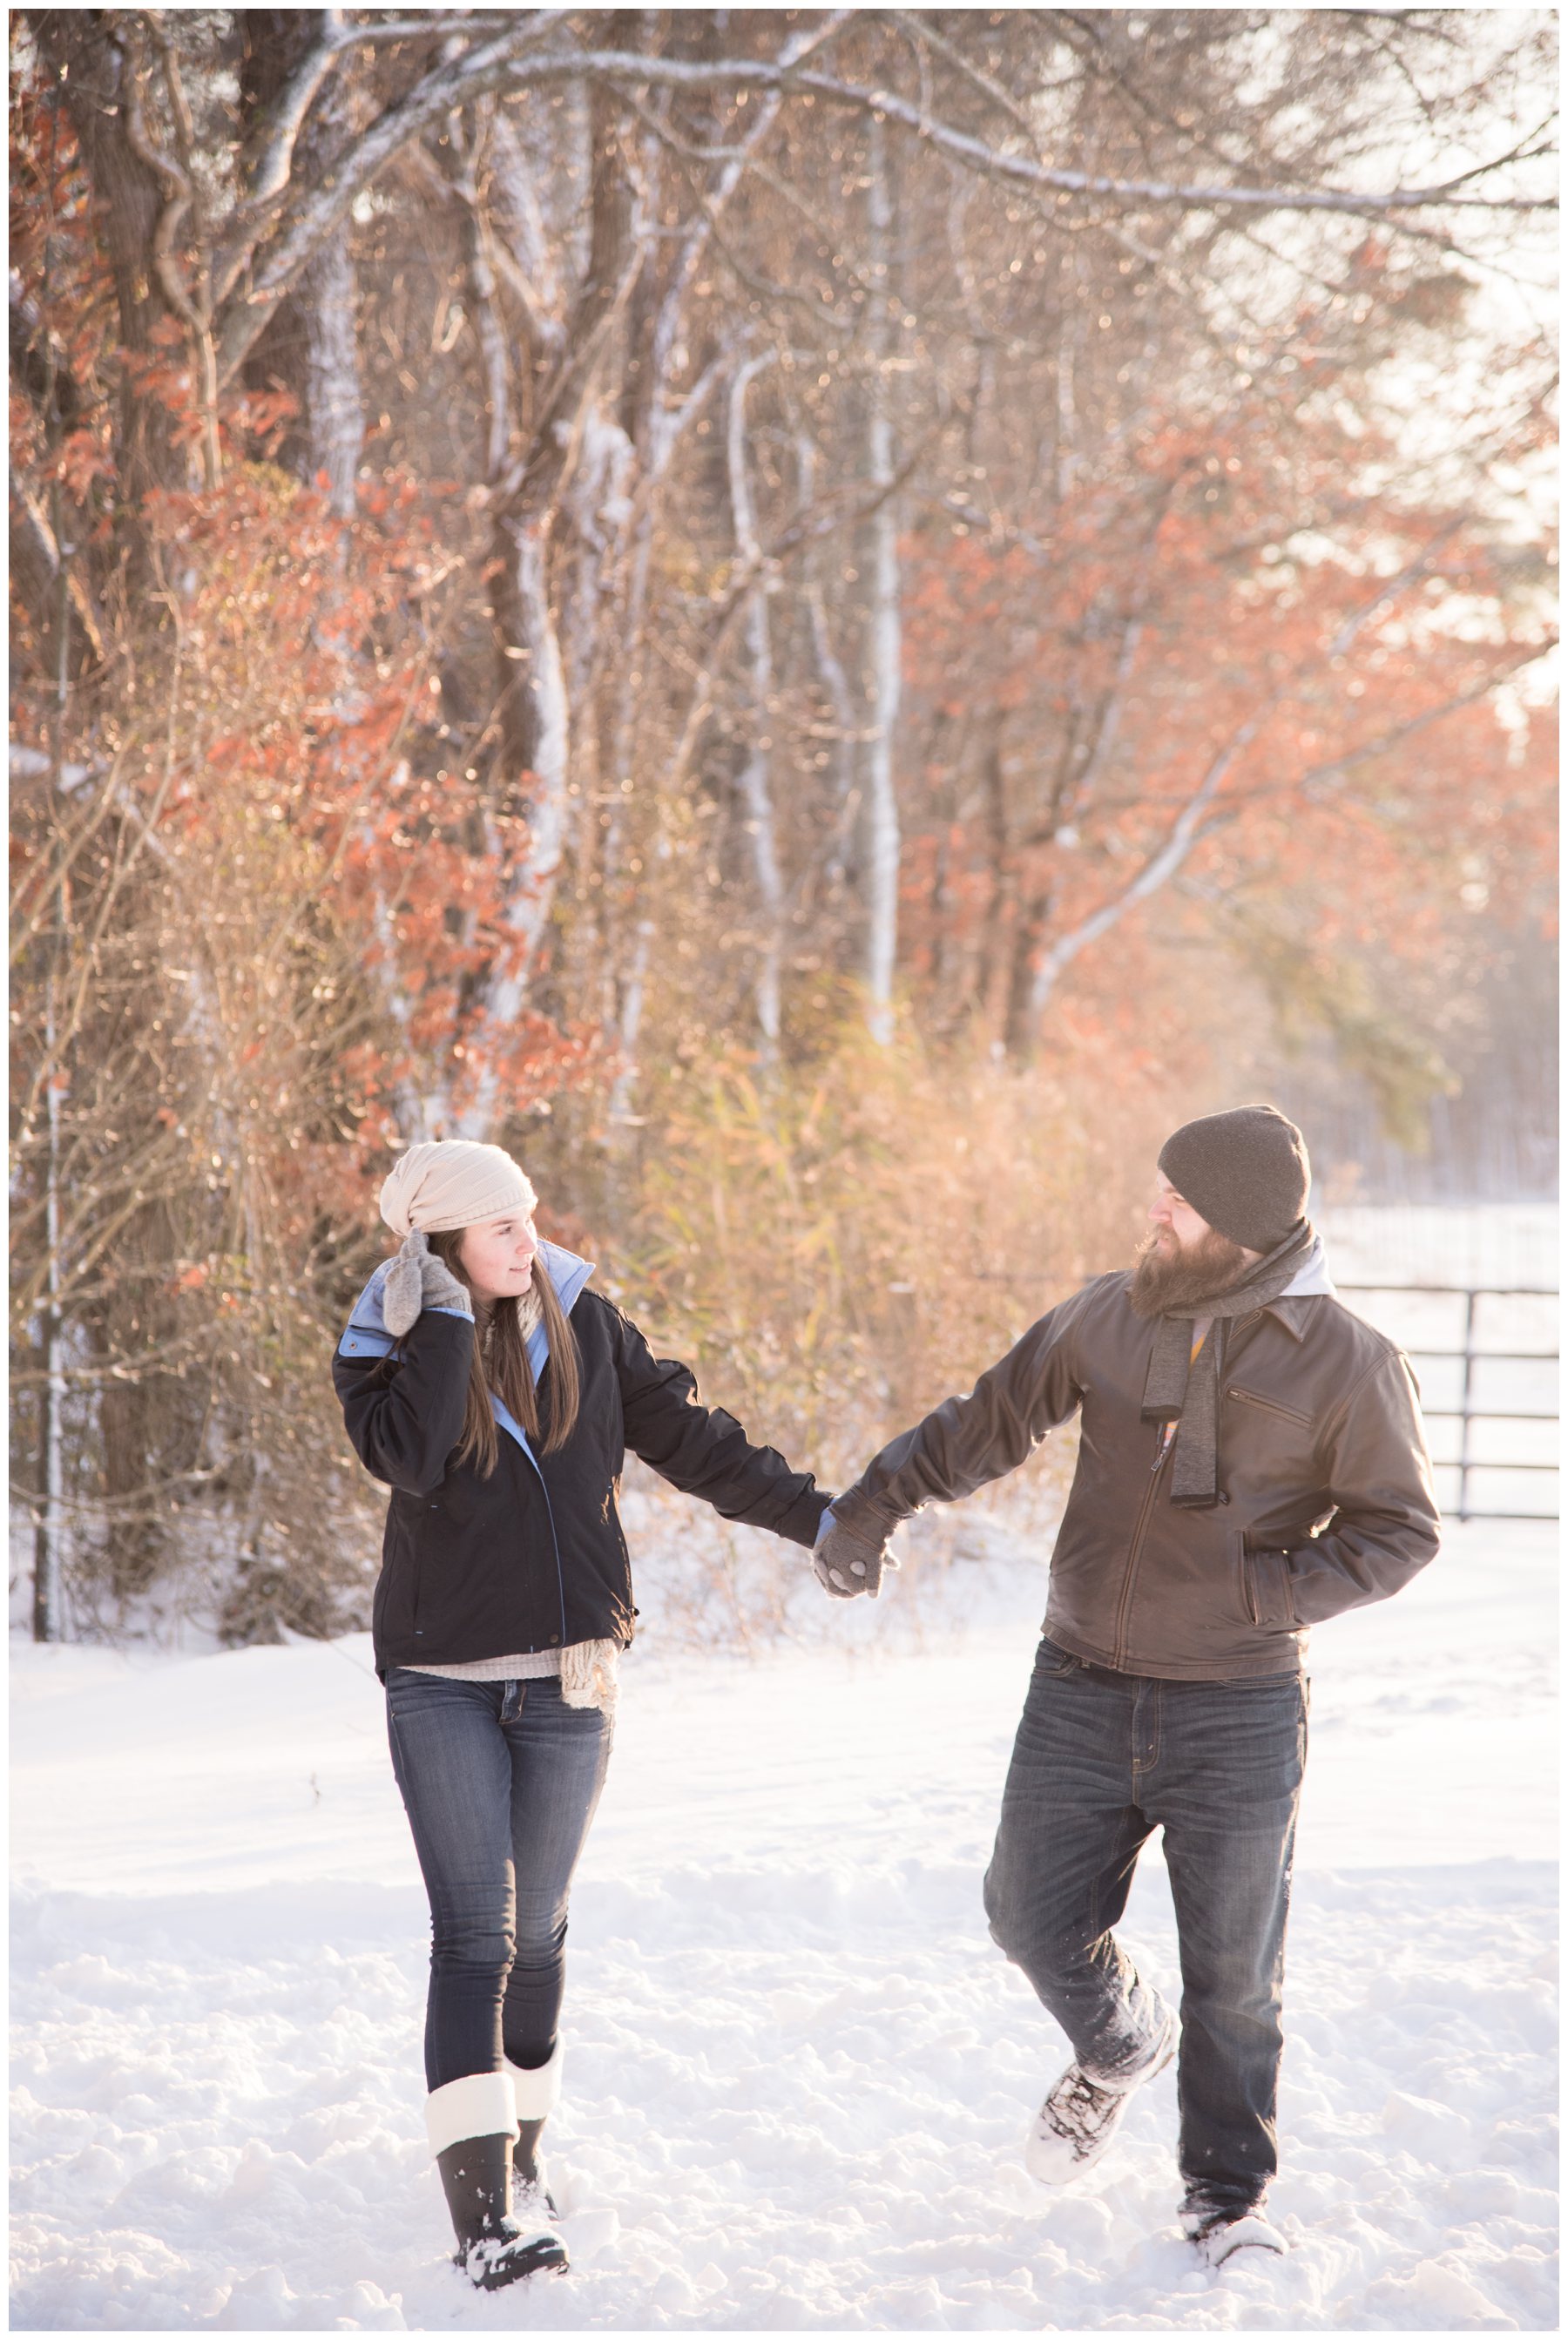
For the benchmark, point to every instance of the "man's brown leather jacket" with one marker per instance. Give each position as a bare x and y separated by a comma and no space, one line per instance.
1325,1489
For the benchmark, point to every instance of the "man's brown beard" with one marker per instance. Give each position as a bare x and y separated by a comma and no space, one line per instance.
1162,1281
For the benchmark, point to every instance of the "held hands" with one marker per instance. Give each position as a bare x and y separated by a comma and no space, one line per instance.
417,1279
847,1562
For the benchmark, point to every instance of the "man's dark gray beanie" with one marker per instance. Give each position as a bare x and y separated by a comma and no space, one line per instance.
1246,1173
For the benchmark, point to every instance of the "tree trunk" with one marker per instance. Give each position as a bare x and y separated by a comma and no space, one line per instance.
534,713
841,868
886,629
535,731
1020,1028
49,1534
630,1026
335,402
755,783
997,930
312,344
85,49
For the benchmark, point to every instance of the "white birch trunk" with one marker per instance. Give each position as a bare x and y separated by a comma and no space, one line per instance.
667,418
493,349
521,221
846,729
414,1112
529,909
49,1534
599,500
630,1025
547,683
755,783
1068,338
886,643
337,415
327,299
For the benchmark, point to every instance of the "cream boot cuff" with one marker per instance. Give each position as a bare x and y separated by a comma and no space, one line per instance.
477,2106
536,2094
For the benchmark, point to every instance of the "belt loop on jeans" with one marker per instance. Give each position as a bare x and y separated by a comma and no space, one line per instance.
511,1697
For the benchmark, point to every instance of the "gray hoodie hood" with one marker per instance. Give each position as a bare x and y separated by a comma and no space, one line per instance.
1312,1275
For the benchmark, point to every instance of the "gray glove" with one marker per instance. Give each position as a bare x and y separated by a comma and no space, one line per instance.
847,1562
417,1279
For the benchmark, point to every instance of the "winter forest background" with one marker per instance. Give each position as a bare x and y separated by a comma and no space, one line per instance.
821,621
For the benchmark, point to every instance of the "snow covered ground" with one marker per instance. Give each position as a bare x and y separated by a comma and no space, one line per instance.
799,2072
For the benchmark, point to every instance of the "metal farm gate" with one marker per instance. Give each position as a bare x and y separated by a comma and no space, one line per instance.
1487,1358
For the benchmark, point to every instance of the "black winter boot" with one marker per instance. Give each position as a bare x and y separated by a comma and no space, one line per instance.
472,2124
530,2193
535,2095
492,2250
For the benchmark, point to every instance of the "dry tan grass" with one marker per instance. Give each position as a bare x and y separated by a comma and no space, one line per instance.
840,1247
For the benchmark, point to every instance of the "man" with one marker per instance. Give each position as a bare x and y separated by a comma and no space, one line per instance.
1250,1462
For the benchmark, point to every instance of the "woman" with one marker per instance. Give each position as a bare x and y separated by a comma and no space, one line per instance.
496,1396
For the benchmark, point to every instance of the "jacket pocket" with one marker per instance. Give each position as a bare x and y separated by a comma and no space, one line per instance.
1266,1589
396,1594
432,1514
1270,1405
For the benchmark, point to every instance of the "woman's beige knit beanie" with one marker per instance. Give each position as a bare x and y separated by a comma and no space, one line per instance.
452,1182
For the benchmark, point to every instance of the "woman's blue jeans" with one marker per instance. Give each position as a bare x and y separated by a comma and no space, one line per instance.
500,1781
1100,1762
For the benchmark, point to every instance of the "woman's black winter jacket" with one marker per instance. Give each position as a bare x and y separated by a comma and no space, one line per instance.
534,1557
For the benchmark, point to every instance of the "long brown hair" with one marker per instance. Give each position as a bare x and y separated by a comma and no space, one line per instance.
500,1363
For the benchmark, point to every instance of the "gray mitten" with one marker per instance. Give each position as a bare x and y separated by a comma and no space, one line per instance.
847,1562
417,1279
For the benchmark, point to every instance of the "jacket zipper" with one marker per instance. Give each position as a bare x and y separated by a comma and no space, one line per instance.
549,1515
1166,1433
1118,1651
555,1540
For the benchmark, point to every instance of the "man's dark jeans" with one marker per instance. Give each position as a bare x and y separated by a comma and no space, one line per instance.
1101,1760
500,1781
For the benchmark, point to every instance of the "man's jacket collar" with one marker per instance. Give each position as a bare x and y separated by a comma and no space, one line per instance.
1311,1281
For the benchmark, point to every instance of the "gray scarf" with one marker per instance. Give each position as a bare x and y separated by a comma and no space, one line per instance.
1185,1388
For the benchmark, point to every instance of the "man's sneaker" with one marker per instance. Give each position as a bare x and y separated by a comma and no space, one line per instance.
1218,2234
1079,2118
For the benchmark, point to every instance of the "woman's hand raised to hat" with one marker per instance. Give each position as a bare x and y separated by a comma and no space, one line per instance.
418,1279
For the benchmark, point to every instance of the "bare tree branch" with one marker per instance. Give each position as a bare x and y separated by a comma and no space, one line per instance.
268,171
191,309
452,83
1318,780
1190,826
1184,832
498,62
